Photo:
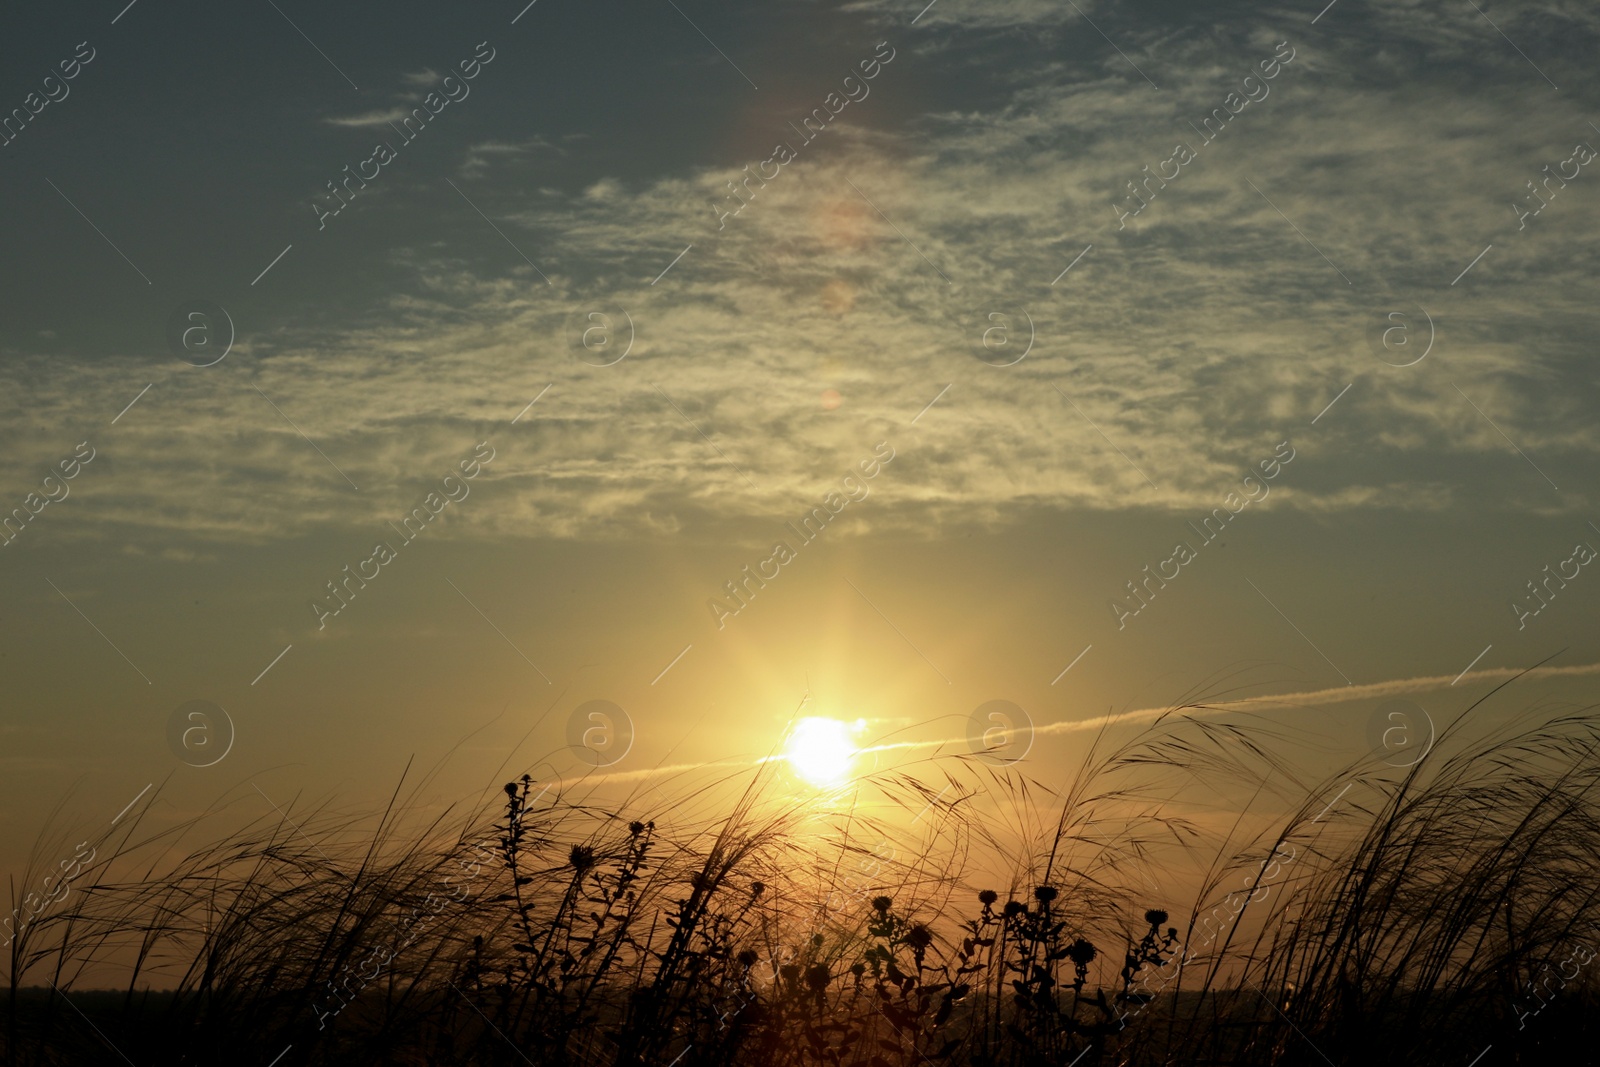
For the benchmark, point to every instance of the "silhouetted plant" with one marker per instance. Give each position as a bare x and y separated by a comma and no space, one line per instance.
1452,906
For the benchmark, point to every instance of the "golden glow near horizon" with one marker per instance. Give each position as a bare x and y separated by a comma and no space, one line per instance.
821,751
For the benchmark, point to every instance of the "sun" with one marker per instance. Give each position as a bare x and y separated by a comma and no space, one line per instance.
820,751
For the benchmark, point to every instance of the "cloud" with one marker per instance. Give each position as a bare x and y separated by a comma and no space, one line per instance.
369,118
422,79
480,157
1218,321
994,14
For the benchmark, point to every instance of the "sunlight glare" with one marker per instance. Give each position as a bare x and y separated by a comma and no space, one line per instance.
820,751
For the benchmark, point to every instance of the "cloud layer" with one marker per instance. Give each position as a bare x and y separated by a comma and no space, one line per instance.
886,265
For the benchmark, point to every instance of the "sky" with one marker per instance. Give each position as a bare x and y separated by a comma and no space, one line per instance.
1009,298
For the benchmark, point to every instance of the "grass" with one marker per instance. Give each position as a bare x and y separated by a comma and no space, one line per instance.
1416,915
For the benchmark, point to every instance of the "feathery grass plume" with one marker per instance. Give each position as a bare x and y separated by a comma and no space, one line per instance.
1390,916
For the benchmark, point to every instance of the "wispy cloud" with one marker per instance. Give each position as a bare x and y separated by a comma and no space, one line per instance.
482,157
1195,338
369,118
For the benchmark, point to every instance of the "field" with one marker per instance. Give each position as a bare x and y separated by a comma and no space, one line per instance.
1430,914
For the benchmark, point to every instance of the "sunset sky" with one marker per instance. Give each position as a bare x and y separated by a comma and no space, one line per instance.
1330,317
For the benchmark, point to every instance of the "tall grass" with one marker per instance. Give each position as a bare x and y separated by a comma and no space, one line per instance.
1392,916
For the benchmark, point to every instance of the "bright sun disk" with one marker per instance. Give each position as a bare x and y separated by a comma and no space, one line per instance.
820,751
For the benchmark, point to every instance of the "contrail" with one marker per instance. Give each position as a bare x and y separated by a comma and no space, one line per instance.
1341,694
1338,695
